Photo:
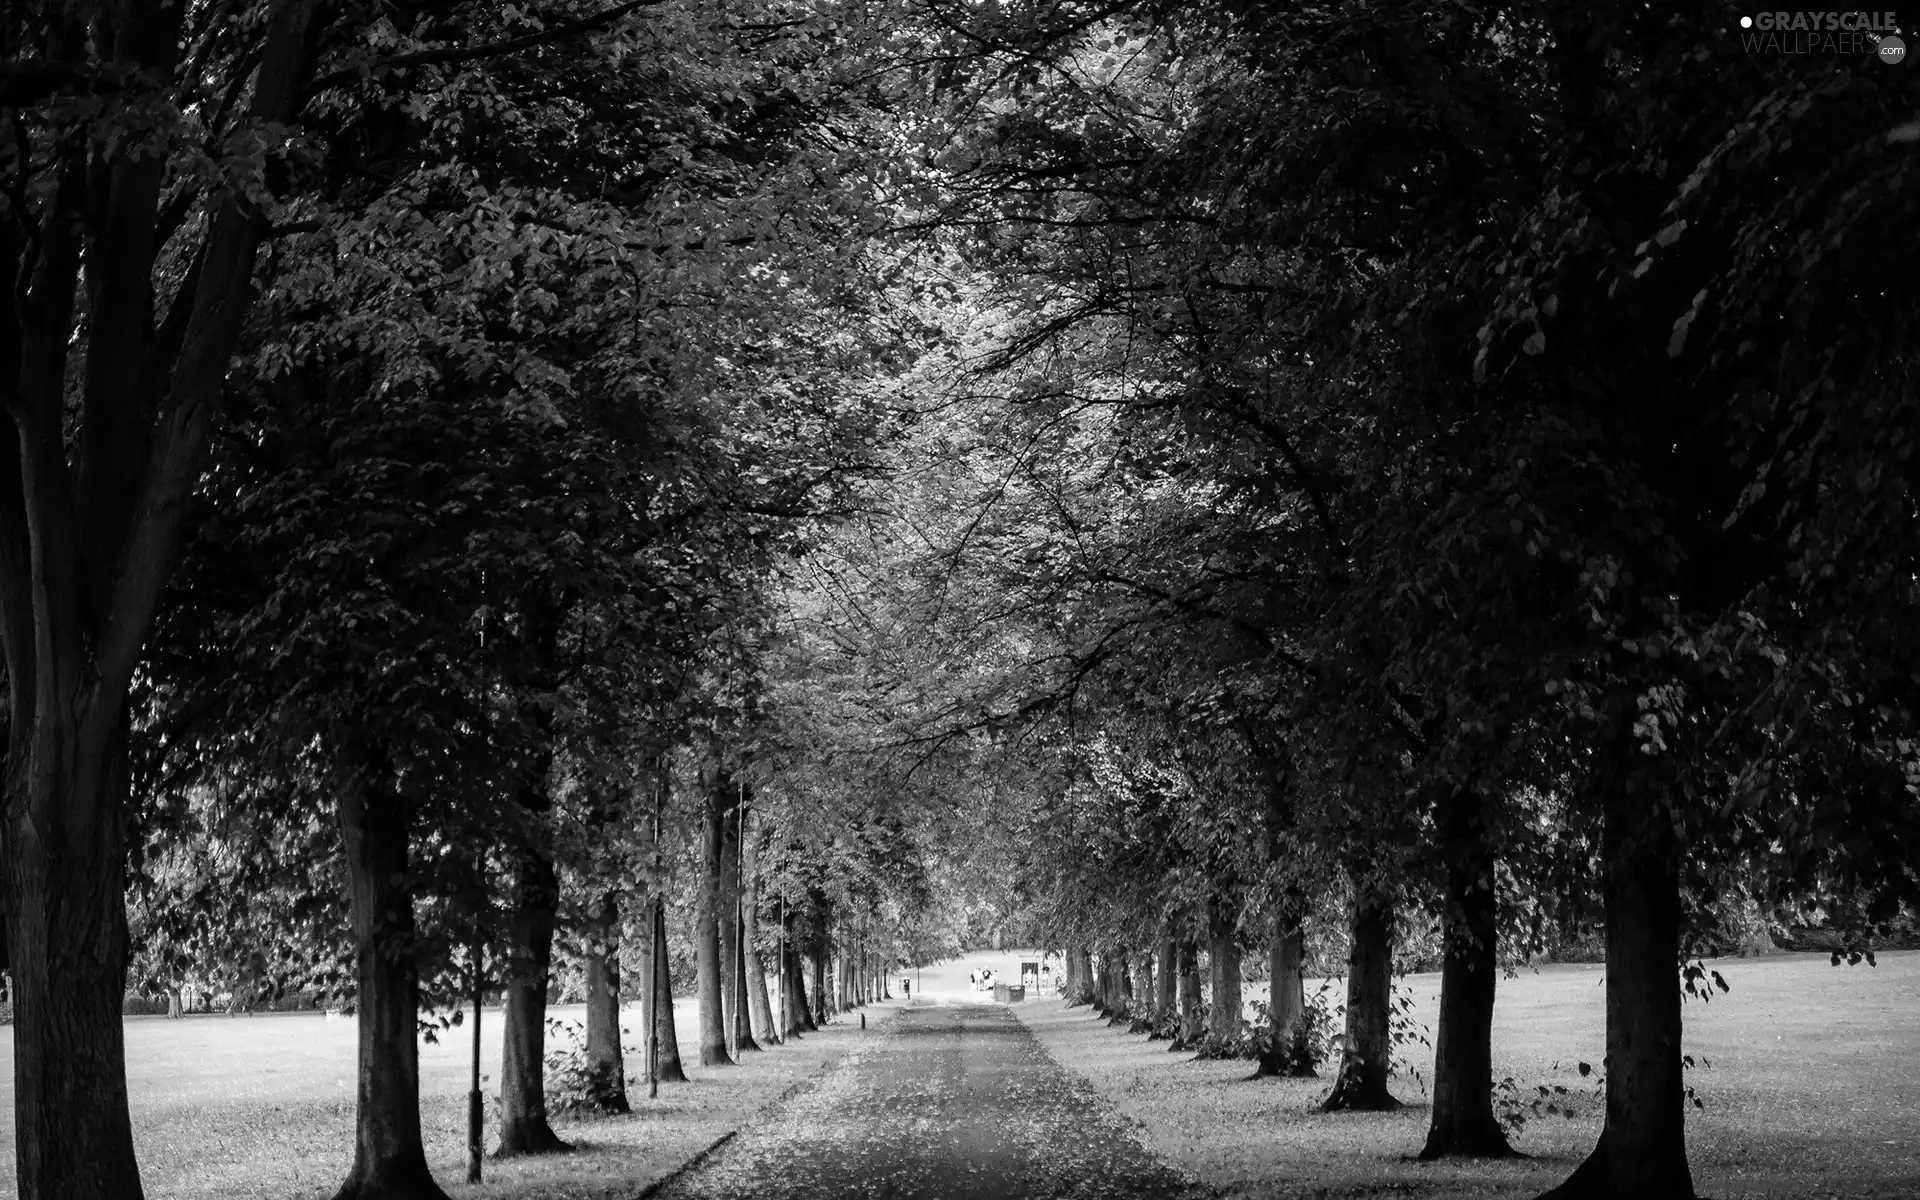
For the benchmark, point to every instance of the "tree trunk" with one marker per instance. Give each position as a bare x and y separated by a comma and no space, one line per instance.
1289,1051
1289,1055
389,1161
759,1006
1642,1151
742,1017
1083,983
1223,954
739,1023
793,992
523,1023
661,972
1114,967
1362,1081
90,526
65,790
1140,995
707,923
1166,975
803,1011
605,1060
1463,1120
1192,1028
822,1013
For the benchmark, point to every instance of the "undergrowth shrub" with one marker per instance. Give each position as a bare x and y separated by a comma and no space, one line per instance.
574,1083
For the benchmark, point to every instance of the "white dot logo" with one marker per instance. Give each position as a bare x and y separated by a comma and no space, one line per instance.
1746,22
1892,50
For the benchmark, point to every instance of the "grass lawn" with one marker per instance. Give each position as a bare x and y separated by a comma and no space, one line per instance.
226,1108
1812,1091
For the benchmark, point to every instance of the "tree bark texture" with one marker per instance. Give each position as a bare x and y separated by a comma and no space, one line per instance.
389,1160
1462,1121
742,988
739,1024
1367,1055
523,1024
1289,1055
1166,992
759,1006
1082,962
707,922
1192,1023
101,442
1223,956
1119,986
1642,1151
661,972
803,1018
605,1058
67,935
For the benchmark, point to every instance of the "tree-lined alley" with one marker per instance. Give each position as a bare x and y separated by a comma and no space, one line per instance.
616,498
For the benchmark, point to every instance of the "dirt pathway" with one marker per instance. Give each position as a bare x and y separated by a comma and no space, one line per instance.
953,1103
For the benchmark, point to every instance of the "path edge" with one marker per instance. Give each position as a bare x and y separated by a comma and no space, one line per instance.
793,1089
1131,1127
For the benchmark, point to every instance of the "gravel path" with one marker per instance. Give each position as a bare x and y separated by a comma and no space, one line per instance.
953,1103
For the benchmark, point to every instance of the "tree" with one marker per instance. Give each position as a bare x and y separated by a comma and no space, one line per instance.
96,234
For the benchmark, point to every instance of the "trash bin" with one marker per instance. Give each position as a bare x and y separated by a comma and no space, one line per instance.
1000,993
1016,994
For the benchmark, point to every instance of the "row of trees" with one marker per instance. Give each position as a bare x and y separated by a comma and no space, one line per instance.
418,414
1161,473
1408,457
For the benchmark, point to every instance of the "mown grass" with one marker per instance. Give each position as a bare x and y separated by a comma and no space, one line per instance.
1806,1078
234,1108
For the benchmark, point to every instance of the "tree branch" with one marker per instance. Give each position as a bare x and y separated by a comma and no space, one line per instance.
461,54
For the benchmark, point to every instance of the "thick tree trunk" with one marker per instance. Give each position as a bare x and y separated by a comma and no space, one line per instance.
1166,975
1289,1052
1083,982
1289,1055
1642,1152
739,1023
605,1059
1463,1120
803,1010
1119,987
389,1161
1362,1081
822,1011
792,980
759,1007
1192,1027
742,1017
65,788
661,972
523,1023
90,526
1223,954
706,936
1140,995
